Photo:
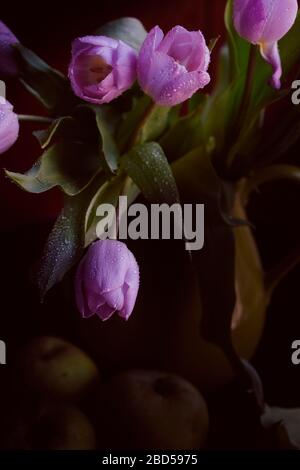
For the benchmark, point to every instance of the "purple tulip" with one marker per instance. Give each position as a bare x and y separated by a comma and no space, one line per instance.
265,22
101,68
107,280
172,68
9,126
8,66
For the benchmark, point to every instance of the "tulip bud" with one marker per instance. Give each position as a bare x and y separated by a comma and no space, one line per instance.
8,66
9,126
107,280
172,68
101,68
265,22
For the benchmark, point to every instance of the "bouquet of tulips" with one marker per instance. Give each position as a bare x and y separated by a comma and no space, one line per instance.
164,119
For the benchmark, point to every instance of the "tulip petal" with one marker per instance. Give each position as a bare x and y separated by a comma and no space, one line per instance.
9,126
164,68
187,48
105,312
249,19
81,300
171,69
101,68
130,288
93,91
125,56
94,301
106,266
107,280
124,77
125,67
264,21
280,16
270,53
182,88
114,298
84,43
149,46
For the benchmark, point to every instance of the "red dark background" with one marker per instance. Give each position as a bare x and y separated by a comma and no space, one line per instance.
48,28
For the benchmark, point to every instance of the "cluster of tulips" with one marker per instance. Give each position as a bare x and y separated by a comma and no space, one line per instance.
170,69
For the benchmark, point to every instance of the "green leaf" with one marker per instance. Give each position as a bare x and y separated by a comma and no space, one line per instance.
222,119
196,176
223,76
221,113
285,132
65,127
108,193
148,167
47,84
154,124
65,243
195,102
239,49
145,122
107,121
214,265
186,134
222,109
69,165
131,121
212,43
129,30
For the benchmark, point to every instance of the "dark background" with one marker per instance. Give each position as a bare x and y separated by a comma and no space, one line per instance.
48,28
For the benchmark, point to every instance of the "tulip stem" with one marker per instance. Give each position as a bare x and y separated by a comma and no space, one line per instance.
134,140
245,101
248,85
31,118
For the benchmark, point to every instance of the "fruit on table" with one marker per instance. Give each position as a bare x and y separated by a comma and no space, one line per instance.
57,368
151,410
62,427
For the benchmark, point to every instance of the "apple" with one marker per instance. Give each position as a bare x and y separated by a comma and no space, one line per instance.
62,427
56,368
143,409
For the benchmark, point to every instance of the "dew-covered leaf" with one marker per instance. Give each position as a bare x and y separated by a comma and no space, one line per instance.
66,241
148,167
